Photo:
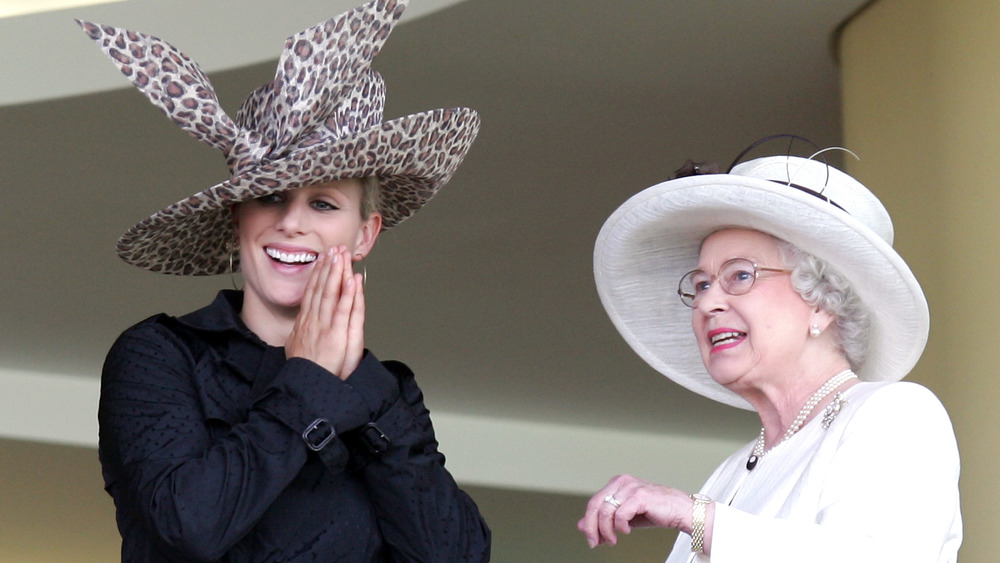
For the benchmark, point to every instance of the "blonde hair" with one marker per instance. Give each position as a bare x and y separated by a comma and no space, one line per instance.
371,191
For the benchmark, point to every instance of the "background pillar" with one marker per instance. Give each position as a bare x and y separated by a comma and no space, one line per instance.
921,97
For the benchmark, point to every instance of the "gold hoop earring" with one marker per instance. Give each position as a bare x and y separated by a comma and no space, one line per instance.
364,270
234,249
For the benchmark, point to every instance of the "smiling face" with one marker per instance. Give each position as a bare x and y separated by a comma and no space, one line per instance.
756,339
282,234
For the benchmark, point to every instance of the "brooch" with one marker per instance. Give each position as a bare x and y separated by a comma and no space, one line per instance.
833,409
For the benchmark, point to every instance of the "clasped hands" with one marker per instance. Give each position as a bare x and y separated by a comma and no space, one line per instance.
329,329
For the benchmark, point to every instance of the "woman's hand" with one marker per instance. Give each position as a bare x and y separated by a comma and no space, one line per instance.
641,505
330,327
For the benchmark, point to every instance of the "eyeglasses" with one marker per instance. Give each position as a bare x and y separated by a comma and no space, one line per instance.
736,277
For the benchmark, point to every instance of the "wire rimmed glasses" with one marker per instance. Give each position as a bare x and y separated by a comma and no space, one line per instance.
736,277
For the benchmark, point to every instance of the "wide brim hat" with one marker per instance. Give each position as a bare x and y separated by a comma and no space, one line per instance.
654,238
318,120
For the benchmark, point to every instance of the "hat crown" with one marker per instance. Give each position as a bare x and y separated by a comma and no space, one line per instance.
263,139
826,182
323,89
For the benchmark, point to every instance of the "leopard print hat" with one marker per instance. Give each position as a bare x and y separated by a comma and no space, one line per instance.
319,120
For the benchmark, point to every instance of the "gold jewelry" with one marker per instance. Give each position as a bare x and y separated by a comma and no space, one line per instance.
364,270
234,249
698,522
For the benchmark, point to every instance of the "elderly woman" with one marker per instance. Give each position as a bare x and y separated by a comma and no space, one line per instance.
800,310
259,428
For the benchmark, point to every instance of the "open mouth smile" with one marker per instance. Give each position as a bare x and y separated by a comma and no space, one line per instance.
292,258
725,339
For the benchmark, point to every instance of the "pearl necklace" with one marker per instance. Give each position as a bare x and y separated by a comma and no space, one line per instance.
820,394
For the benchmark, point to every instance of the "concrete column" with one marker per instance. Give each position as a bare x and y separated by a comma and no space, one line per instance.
921,96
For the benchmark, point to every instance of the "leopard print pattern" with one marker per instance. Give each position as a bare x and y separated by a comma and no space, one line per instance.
170,80
414,156
318,120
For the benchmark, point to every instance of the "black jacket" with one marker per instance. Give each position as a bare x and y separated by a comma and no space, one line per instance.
217,448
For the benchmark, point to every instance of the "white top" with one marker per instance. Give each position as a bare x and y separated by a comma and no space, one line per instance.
881,484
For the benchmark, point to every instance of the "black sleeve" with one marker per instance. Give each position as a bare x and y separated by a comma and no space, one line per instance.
180,488
423,515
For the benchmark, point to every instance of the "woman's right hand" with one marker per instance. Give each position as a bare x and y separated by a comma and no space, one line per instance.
628,502
329,329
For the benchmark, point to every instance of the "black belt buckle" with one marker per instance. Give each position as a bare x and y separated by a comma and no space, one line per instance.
375,439
318,434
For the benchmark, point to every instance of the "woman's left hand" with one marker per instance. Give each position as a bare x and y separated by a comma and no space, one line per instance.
641,504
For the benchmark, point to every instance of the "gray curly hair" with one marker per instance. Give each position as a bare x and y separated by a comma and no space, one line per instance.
821,286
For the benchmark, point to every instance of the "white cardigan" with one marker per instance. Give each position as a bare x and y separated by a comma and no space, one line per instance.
880,485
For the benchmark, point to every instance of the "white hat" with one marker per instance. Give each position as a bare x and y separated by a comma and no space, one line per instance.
654,238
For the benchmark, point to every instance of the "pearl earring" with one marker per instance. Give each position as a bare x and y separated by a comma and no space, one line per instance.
814,331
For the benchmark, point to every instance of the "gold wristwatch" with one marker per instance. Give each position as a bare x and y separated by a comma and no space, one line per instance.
698,522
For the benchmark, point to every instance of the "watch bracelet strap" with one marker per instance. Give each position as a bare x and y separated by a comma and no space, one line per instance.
698,523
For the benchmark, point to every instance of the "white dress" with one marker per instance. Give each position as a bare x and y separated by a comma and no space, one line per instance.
880,484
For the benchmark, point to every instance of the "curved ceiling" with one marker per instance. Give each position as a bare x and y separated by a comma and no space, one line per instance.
43,49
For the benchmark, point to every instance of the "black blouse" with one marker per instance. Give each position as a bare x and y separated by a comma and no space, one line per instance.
216,448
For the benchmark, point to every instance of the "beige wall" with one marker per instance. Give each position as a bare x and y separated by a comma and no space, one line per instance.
921,95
